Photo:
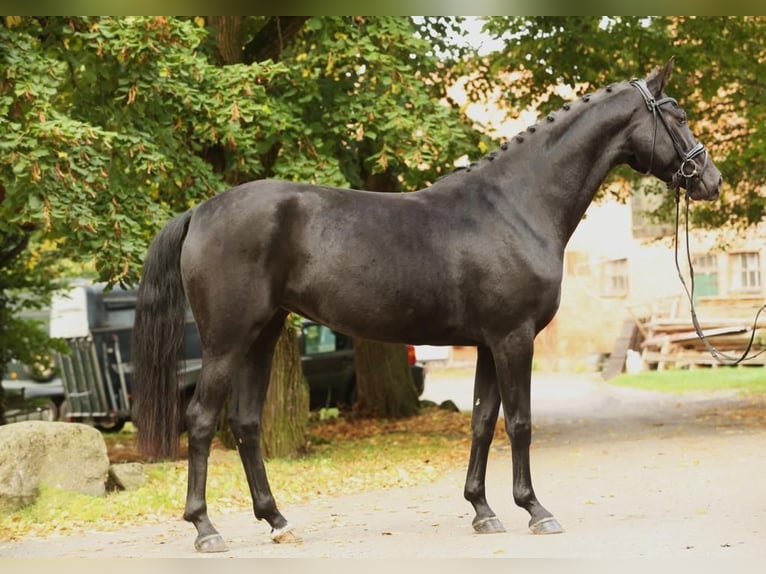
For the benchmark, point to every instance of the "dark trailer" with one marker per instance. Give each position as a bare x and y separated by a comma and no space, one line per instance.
97,325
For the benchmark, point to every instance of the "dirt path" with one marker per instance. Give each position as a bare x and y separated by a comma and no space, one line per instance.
628,474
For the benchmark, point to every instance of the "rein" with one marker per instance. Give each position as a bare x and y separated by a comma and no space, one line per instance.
719,356
686,172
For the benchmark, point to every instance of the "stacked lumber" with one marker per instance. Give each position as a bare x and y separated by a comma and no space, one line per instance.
726,323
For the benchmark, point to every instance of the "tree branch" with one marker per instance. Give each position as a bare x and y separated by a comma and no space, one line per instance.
11,247
270,40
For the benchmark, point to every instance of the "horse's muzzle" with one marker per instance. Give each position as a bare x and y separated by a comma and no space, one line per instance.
707,187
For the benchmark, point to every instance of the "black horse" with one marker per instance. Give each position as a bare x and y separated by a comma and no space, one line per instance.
476,259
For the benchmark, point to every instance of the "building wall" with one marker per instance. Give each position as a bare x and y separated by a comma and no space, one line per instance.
596,301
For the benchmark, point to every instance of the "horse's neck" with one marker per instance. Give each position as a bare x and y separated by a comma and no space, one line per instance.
572,152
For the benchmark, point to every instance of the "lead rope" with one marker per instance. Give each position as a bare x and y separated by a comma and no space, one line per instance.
721,357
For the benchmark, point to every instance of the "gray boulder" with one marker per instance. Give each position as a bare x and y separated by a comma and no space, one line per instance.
69,456
126,476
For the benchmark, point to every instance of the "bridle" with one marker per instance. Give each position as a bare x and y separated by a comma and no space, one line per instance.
686,172
688,168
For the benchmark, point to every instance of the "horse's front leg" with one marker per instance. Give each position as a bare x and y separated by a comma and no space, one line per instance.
486,406
513,360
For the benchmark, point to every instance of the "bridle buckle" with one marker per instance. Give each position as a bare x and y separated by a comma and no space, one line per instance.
682,171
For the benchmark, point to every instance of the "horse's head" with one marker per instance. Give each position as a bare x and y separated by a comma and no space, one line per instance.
662,143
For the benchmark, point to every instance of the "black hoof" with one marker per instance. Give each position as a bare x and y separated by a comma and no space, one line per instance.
488,525
547,525
210,543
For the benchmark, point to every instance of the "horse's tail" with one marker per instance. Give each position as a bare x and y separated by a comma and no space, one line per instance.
158,338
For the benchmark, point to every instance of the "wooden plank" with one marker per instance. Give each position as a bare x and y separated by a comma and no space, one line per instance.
679,337
616,363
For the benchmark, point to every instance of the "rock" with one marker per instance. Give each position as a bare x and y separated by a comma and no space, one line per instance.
126,476
449,406
69,456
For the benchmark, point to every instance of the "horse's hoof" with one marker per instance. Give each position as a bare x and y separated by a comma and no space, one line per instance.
210,543
284,535
547,525
488,525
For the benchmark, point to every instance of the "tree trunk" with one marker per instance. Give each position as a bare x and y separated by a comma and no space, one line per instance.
383,381
228,38
275,35
285,413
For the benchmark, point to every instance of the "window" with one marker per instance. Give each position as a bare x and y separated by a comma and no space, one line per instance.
705,275
615,278
319,339
746,271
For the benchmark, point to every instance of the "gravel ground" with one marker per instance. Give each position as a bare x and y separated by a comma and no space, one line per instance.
628,474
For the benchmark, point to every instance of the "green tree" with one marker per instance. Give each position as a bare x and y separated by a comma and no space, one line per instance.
110,125
105,124
717,77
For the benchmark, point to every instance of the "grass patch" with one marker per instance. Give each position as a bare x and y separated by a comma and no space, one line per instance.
748,380
343,457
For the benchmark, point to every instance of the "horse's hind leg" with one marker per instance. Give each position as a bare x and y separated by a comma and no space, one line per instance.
513,360
202,420
486,405
248,397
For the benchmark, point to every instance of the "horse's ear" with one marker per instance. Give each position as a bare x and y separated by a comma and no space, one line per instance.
658,79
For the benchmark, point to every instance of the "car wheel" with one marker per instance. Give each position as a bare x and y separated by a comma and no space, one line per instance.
110,426
63,411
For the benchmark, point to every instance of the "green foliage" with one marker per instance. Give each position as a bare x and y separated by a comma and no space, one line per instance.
110,125
717,77
26,282
105,125
369,98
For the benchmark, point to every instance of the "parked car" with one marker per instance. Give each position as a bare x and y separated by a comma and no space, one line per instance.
23,406
327,358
